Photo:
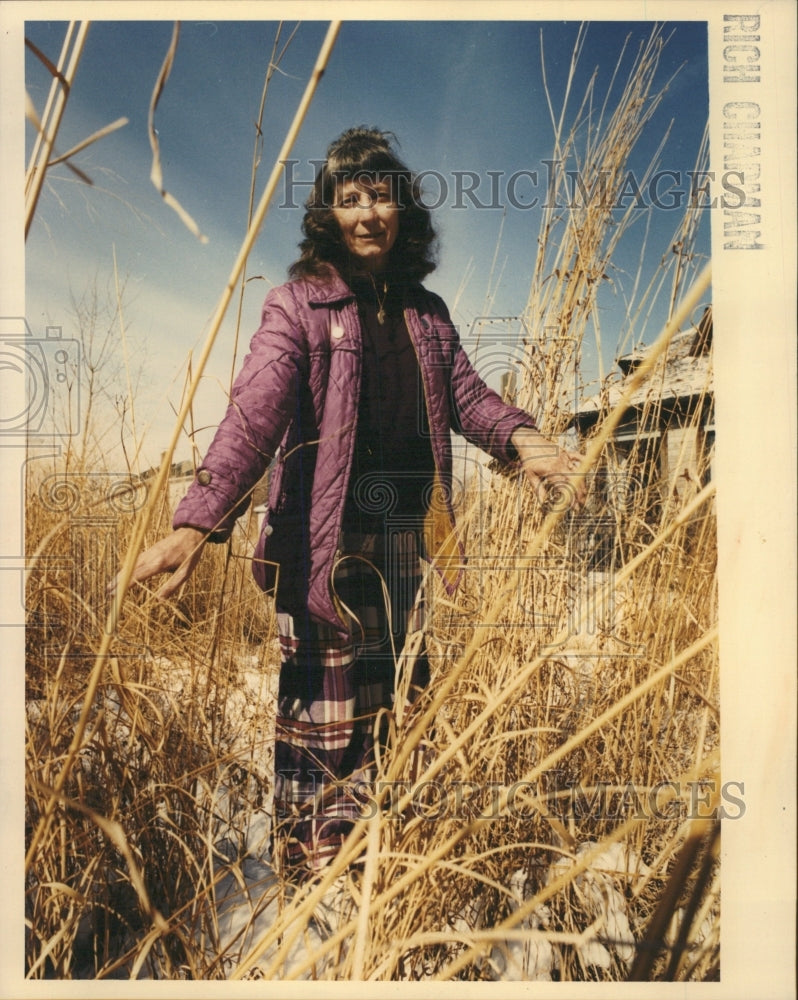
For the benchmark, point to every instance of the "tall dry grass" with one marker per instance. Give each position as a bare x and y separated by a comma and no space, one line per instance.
545,808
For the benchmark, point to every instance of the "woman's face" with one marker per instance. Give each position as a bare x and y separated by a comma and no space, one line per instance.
368,215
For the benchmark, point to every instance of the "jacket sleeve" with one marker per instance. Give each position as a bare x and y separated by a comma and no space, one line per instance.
479,413
263,399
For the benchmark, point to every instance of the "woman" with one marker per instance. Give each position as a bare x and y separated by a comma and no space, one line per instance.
353,384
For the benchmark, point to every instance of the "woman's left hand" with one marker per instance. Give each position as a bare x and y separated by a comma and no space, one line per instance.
553,471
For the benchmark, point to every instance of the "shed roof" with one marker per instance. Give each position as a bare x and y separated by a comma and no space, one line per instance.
686,373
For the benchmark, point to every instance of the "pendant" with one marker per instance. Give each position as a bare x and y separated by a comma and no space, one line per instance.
380,302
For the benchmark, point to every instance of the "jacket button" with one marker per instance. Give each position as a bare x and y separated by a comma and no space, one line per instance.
204,477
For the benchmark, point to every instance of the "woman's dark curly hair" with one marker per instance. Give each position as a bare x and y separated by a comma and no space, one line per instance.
366,153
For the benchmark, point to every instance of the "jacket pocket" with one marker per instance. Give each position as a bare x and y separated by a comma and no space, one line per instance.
263,569
280,562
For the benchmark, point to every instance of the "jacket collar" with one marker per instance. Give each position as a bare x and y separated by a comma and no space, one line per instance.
322,291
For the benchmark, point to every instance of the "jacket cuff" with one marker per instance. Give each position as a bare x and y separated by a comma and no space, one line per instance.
207,509
508,455
210,536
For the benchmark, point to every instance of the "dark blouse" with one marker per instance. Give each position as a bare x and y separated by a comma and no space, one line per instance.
393,467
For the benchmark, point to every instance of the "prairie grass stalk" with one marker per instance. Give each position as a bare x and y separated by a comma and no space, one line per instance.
48,124
156,171
41,153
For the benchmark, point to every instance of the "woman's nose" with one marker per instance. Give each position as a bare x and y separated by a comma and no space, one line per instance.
367,212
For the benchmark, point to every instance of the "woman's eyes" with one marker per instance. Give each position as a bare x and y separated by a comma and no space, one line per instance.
379,197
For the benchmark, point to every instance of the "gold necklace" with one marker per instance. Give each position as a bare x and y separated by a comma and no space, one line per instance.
380,302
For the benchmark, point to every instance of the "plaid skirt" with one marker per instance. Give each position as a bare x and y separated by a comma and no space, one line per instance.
335,691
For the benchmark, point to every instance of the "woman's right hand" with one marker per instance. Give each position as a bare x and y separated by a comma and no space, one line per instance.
178,553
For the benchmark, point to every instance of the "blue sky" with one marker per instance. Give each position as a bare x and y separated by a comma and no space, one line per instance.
460,96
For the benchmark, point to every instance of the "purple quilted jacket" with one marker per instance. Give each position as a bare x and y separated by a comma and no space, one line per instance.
296,400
